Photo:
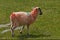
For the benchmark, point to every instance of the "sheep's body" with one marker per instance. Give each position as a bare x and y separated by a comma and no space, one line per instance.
21,18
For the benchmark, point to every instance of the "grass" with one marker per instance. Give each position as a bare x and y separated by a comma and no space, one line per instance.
46,26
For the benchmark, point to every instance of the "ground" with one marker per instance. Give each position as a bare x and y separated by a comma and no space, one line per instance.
46,26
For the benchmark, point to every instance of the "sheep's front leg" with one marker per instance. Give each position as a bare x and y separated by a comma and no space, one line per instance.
27,29
21,29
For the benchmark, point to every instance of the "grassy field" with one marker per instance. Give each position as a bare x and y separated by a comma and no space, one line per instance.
46,26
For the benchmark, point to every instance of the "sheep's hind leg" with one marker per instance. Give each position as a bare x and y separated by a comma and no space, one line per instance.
12,31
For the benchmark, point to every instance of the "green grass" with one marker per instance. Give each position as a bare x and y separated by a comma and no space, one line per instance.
46,26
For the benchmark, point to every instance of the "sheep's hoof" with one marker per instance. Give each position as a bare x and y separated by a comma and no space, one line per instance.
28,34
20,32
12,35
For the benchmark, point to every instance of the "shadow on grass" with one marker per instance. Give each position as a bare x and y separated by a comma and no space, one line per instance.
22,37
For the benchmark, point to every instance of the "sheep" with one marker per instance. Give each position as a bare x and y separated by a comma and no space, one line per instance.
23,18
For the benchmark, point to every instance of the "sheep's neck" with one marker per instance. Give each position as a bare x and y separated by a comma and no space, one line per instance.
34,14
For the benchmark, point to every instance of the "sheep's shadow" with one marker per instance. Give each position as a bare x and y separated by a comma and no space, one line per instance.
22,37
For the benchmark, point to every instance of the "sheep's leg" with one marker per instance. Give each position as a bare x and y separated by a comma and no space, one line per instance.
12,30
27,29
21,29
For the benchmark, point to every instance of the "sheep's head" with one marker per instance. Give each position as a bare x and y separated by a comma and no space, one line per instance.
39,10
